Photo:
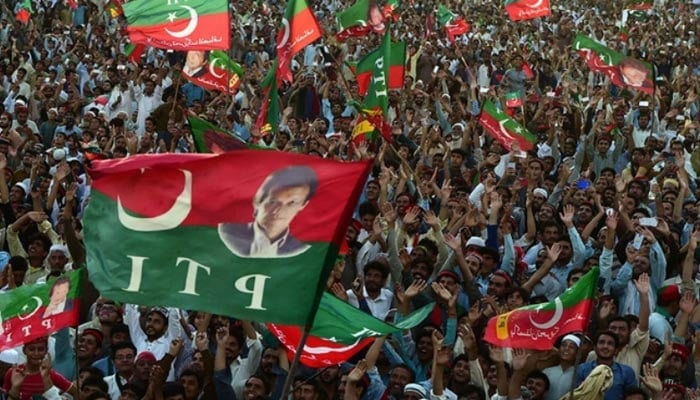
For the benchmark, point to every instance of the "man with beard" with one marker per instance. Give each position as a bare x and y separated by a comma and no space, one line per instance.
329,380
675,366
400,376
160,328
374,297
606,345
270,372
549,233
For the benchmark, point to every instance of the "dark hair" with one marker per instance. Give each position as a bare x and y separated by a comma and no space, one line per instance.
293,176
40,237
377,266
101,394
264,381
574,272
611,334
93,372
429,245
537,374
97,382
621,319
368,208
135,387
18,263
59,281
173,389
119,328
423,260
196,374
120,346
407,368
634,391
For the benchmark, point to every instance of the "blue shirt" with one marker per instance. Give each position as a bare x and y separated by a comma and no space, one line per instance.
623,378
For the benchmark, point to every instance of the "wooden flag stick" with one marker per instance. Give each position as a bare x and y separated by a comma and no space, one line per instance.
295,363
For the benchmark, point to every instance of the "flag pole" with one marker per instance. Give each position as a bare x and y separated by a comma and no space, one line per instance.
77,362
579,355
295,362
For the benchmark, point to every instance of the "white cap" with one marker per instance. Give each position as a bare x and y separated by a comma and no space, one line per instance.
476,241
573,338
59,247
9,356
59,154
541,192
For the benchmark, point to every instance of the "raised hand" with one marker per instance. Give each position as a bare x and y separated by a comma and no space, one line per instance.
437,339
642,284
553,252
496,354
520,358
432,219
411,215
176,346
446,190
339,291
37,216
453,242
567,217
71,192
358,372
416,287
441,291
688,303
201,340
611,221
389,214
651,379
443,356
221,337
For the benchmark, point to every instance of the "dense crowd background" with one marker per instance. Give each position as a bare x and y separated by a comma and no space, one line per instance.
449,215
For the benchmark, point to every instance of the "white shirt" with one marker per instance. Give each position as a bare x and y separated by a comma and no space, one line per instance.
262,246
243,368
146,105
379,307
158,347
112,387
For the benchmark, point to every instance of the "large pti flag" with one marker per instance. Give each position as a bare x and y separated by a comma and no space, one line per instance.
213,70
339,331
519,10
32,311
299,29
539,325
623,71
184,26
209,232
505,129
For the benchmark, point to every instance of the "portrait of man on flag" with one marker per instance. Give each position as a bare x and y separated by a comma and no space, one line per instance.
282,195
195,63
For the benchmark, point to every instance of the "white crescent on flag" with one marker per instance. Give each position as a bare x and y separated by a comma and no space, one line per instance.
191,25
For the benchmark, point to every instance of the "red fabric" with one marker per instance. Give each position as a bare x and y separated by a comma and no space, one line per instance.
33,385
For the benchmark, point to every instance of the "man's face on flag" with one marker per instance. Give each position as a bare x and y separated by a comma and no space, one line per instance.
276,211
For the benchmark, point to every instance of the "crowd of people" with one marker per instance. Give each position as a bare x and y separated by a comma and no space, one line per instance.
450,215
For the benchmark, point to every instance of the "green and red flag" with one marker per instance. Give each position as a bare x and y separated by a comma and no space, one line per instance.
454,24
134,52
339,331
268,117
189,230
504,129
209,138
216,71
639,5
183,26
299,29
519,10
361,18
375,60
623,71
33,311
538,326
25,12
513,99
390,10
387,73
